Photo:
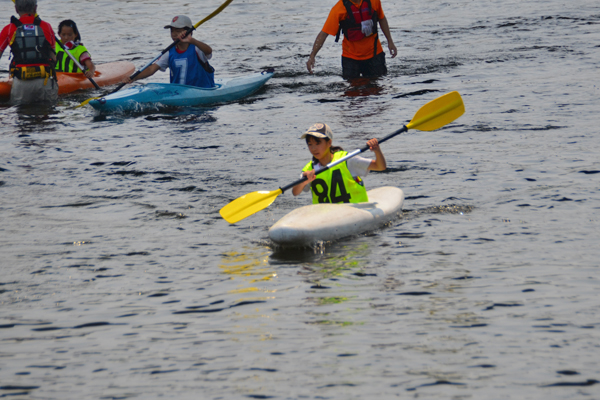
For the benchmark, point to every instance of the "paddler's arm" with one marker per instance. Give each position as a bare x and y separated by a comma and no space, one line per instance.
319,41
378,164
90,68
296,190
386,31
151,70
206,49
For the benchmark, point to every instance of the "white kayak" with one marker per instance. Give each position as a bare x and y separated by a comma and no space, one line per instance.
308,225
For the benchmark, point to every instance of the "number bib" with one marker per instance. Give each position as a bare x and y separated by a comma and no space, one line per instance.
186,69
336,185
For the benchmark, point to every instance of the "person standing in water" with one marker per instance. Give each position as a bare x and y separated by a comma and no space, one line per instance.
32,43
362,54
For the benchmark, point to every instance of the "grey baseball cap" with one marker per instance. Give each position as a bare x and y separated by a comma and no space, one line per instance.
180,21
319,130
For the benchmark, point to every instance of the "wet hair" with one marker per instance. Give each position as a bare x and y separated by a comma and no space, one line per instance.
26,6
332,149
71,24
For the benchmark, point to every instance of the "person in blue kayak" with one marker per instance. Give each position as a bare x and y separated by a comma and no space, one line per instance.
341,183
71,39
187,61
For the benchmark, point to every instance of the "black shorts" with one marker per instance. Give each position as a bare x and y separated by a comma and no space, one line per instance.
370,68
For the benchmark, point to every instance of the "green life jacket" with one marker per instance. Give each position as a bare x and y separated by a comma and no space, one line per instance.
337,185
64,62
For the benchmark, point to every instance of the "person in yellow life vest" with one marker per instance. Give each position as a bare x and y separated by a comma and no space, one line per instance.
341,183
71,39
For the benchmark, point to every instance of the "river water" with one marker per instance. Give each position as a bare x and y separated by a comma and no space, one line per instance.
120,280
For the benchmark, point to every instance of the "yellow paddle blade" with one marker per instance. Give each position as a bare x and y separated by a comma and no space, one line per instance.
438,112
248,204
86,102
218,10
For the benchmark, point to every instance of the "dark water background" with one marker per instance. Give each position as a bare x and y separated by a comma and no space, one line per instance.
119,279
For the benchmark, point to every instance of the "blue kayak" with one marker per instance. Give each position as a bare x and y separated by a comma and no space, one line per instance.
173,95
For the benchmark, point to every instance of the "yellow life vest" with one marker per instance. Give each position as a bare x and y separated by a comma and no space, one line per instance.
64,62
337,185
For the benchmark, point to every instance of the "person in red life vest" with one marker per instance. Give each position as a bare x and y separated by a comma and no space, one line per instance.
362,54
71,39
32,44
341,183
187,61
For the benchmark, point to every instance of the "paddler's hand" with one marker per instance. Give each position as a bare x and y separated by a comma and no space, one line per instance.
373,144
185,39
90,72
310,175
126,80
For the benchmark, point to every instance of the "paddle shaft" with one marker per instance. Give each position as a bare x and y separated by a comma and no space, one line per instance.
75,61
341,160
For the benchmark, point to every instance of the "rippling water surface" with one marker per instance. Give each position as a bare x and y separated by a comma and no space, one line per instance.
120,280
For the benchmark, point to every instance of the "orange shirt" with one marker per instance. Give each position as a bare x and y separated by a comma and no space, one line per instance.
361,49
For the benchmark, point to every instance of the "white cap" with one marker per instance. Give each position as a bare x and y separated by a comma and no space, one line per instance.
180,21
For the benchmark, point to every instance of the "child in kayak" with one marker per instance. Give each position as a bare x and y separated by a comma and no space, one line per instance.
341,183
71,39
187,61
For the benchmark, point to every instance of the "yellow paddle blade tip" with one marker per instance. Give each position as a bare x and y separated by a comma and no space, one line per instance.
248,204
438,112
85,103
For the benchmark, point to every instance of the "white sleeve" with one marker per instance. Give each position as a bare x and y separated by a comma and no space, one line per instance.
163,62
203,56
358,166
307,187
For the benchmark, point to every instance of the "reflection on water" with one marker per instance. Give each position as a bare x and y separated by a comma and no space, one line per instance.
325,260
293,255
28,119
251,265
364,87
346,259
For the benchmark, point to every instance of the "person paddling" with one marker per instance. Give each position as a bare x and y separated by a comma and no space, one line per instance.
71,39
341,183
362,54
32,43
187,61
